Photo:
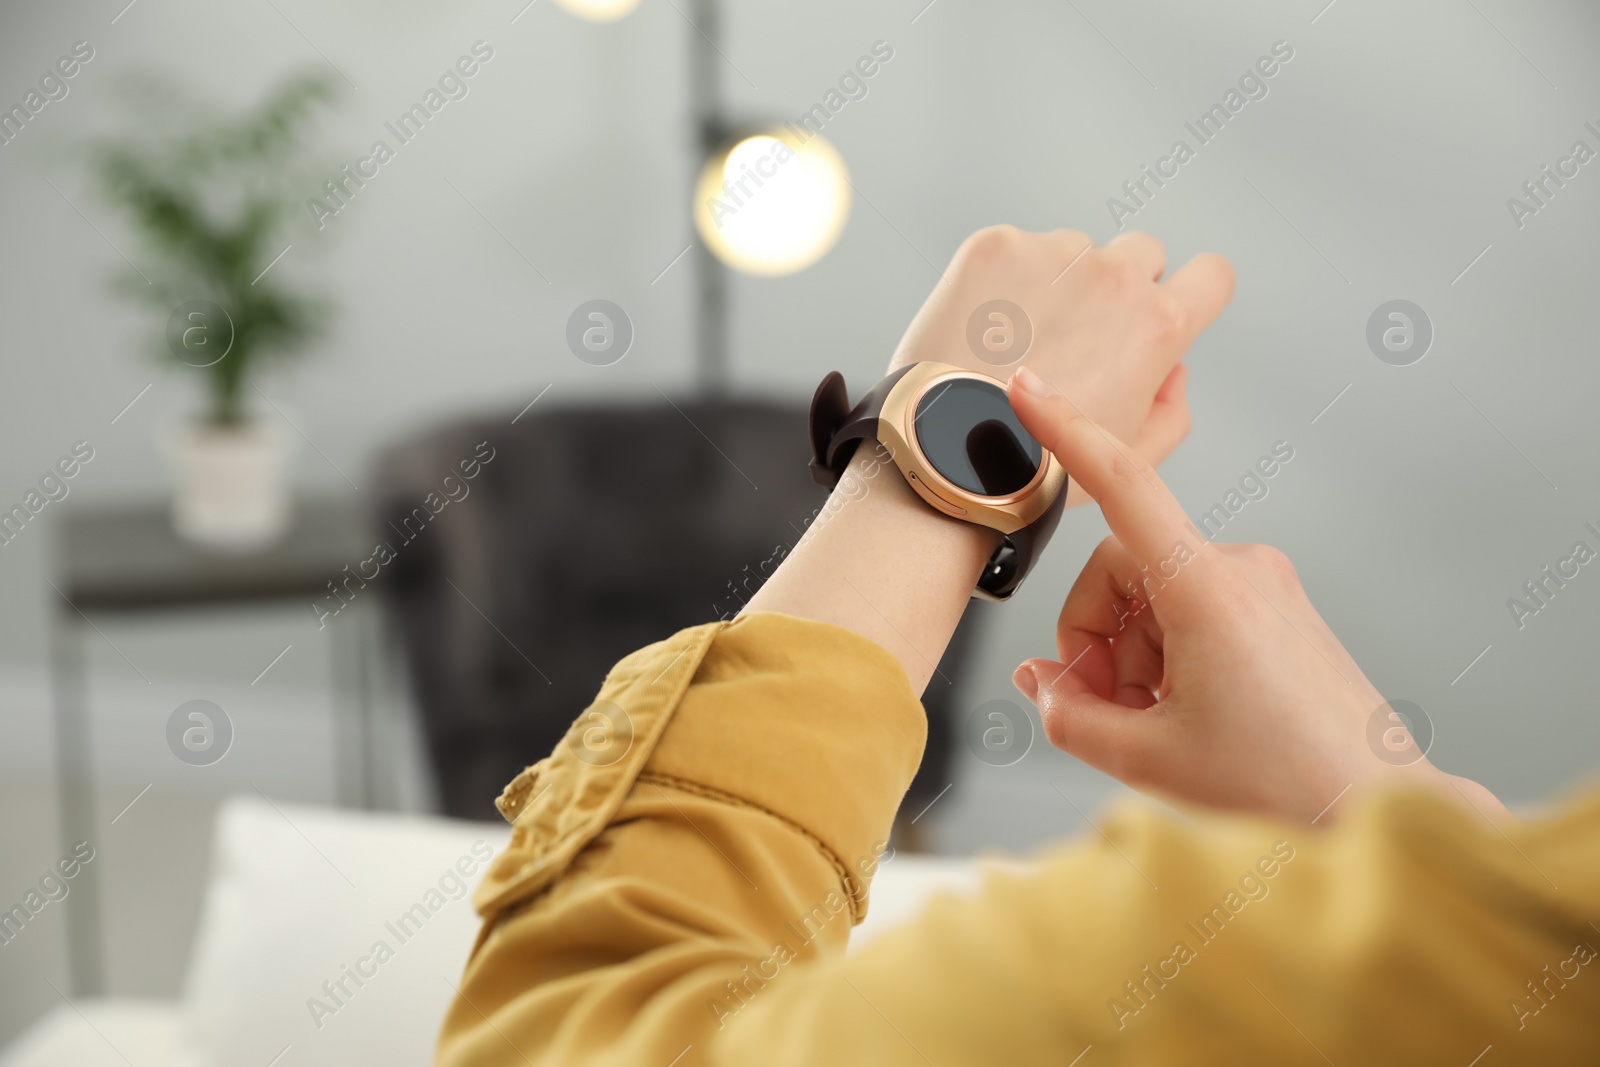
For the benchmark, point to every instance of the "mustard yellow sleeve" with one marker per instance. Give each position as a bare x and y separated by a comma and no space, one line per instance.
686,866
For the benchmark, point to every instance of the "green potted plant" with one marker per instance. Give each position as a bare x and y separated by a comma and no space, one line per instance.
211,195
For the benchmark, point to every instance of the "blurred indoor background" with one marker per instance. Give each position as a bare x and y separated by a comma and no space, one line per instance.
1431,477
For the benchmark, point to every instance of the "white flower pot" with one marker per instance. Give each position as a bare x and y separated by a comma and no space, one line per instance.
231,491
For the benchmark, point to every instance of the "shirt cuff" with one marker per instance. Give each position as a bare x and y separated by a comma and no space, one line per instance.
809,722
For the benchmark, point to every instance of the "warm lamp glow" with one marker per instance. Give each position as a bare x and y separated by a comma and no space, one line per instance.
600,10
774,203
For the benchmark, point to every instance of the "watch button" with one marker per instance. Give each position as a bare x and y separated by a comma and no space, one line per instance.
950,509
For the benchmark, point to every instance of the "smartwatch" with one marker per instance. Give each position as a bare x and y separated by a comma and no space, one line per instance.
953,436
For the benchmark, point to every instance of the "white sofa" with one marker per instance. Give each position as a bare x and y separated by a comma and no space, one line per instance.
287,970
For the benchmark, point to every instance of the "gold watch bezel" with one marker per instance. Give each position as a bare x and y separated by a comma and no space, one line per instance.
1008,513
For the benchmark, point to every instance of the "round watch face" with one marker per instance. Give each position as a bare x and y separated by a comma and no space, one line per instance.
970,435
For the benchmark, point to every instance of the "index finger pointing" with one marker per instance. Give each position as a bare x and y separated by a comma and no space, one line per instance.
1139,508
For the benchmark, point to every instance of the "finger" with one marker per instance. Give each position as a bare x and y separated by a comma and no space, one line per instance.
1137,655
1165,427
1141,249
1118,740
1202,287
1110,591
1108,632
1072,242
1128,669
1167,424
1137,506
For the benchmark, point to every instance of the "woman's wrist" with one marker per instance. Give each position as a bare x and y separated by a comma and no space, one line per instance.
880,562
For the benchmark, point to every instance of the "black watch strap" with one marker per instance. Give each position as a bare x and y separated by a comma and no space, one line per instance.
837,430
1019,551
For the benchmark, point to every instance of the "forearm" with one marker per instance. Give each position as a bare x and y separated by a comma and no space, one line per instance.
742,799
1412,934
883,564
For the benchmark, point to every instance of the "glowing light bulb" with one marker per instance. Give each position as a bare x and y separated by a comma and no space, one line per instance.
774,203
600,10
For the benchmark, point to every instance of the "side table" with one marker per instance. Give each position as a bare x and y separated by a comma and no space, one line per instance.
127,559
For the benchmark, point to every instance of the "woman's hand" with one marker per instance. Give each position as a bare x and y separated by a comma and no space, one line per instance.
881,562
1102,329
1199,670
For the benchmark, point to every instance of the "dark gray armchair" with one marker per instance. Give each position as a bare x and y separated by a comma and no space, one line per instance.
591,532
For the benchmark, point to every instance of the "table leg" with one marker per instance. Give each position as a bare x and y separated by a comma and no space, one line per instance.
351,722
75,800
364,709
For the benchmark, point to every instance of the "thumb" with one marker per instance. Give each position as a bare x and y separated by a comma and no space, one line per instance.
1110,737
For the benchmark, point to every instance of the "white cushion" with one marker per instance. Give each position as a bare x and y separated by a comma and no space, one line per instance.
108,1033
903,886
296,896
376,906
